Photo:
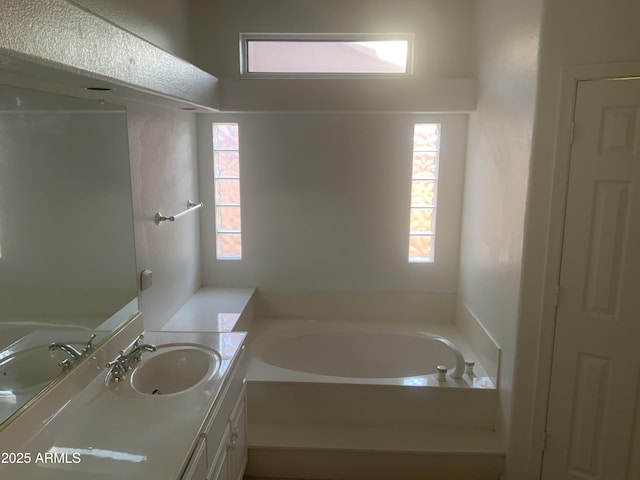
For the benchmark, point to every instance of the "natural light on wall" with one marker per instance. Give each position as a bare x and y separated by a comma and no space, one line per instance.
325,56
226,170
424,181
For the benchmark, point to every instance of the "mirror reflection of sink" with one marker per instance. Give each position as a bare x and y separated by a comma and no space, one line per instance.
174,368
30,368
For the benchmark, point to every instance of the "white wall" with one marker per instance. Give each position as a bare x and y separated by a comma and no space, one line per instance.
497,172
443,62
574,33
325,208
436,23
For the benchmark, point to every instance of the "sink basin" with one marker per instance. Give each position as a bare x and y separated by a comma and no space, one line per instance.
175,368
30,368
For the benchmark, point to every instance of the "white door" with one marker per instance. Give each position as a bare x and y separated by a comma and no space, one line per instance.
593,423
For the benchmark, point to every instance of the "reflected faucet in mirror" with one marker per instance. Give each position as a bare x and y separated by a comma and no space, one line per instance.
72,351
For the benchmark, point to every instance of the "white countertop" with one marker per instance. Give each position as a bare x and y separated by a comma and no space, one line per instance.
211,310
102,434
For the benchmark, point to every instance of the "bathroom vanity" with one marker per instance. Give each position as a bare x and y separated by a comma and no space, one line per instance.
221,451
131,428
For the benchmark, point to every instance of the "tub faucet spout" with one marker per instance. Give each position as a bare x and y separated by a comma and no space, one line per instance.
459,370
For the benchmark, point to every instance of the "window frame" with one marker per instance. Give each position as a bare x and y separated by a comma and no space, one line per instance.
245,38
221,232
434,205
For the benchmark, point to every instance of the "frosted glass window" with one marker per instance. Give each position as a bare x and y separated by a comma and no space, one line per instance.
424,183
226,171
422,220
326,54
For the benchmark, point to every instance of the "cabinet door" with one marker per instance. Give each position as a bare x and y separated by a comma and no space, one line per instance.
238,448
197,467
219,469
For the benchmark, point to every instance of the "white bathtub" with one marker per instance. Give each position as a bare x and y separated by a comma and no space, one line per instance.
336,352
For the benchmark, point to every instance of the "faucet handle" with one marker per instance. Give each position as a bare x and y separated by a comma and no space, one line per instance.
89,345
113,363
65,364
116,361
117,367
468,367
442,373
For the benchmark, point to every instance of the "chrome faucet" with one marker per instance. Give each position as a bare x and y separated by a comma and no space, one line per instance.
122,363
72,351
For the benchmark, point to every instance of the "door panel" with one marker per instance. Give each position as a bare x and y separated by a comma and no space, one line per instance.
592,424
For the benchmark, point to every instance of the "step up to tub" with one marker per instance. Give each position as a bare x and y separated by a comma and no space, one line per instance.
381,406
371,432
354,453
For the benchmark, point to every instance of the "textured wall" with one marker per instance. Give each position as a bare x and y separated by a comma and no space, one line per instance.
165,23
59,34
497,171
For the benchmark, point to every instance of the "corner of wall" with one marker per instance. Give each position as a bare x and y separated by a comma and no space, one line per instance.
479,339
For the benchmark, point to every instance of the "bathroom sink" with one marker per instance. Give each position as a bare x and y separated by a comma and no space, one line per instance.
175,368
30,368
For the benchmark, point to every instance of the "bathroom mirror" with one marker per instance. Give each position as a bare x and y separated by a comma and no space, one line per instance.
67,254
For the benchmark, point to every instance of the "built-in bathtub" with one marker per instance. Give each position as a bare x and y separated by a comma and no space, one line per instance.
359,353
325,398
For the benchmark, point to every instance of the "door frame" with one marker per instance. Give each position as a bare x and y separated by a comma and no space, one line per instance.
541,345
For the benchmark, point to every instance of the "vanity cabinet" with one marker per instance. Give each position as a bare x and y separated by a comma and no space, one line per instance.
238,447
221,452
197,468
219,469
230,460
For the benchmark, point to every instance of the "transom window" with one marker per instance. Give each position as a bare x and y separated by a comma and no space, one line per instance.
226,171
424,182
325,55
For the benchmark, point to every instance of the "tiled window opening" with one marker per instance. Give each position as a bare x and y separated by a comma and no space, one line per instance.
226,170
424,183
